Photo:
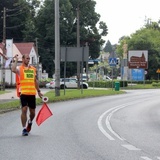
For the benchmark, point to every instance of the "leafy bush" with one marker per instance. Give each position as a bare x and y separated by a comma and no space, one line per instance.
154,84
142,82
106,84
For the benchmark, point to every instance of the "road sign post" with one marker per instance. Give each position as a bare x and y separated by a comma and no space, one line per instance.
158,71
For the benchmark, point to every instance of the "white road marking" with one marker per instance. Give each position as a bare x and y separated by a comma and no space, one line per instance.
130,147
100,126
109,126
146,158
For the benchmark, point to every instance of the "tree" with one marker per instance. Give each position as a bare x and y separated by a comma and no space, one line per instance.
146,38
108,47
27,20
30,30
44,23
17,18
119,47
68,28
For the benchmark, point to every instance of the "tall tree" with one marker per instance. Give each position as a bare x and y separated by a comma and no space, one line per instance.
108,47
19,15
146,38
30,30
68,28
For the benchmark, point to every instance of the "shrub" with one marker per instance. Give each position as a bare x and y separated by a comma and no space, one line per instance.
154,84
106,84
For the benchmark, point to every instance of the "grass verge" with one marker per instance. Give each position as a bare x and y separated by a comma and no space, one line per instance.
67,95
2,92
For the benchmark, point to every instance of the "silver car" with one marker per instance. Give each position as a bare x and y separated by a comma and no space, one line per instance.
69,83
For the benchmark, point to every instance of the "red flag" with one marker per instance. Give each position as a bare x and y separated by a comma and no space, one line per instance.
43,114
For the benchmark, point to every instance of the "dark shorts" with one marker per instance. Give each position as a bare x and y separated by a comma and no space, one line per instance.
28,100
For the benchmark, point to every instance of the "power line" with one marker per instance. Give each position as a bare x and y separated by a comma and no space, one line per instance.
14,26
16,14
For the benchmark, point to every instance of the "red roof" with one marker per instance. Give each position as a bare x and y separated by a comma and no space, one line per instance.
25,48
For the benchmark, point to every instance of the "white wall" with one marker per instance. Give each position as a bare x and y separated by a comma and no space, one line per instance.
11,52
9,46
9,76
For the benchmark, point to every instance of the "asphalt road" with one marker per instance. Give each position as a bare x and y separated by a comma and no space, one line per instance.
120,127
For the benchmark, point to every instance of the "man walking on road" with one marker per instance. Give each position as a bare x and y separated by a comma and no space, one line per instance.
28,85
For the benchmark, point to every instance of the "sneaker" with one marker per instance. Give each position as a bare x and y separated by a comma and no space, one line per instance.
24,132
29,126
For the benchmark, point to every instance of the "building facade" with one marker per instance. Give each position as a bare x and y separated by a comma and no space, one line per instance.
19,49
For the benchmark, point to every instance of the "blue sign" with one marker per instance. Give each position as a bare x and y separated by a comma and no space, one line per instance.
112,61
137,74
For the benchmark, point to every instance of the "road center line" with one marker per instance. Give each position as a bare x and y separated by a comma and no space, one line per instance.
146,158
131,147
100,126
109,126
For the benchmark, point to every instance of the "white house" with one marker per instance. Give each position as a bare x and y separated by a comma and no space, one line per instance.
18,49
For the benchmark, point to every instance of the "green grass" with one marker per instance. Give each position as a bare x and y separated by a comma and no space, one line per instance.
69,95
2,92
75,94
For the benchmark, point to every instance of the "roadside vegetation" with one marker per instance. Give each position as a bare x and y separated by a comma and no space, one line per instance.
2,92
70,94
67,95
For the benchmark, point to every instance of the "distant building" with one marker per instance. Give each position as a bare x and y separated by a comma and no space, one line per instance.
19,49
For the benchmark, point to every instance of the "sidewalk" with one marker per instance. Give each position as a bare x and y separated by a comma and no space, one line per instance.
12,95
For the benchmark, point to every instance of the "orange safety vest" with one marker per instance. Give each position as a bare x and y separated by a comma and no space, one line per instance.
27,80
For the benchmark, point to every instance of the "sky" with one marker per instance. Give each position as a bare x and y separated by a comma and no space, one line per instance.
124,17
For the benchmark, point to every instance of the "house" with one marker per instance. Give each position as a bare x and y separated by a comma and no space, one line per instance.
19,49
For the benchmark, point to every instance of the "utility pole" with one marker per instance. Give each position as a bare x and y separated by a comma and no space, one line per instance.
4,50
57,50
78,45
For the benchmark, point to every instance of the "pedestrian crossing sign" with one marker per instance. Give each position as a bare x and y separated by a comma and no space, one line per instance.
112,61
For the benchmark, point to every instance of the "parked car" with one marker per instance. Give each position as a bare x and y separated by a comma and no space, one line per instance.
50,84
84,77
69,83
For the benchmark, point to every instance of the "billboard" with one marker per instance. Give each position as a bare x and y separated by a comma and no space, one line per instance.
74,54
138,59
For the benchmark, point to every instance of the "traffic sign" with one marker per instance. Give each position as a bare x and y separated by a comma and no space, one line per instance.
112,61
158,71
